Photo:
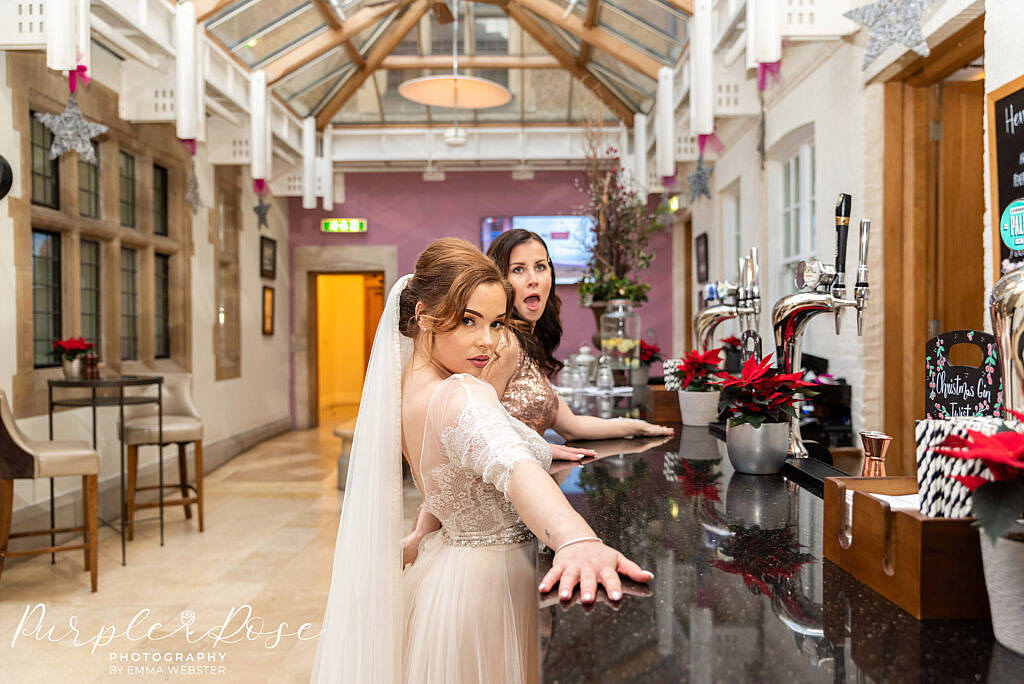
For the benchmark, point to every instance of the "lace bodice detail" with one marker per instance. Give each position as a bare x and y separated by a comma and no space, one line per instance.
529,395
471,445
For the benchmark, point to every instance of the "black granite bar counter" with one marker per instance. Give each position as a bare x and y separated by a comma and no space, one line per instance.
741,592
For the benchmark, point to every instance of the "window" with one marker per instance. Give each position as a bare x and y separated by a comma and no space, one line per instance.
45,182
129,304
90,277
89,185
798,206
126,172
159,200
46,299
161,313
228,331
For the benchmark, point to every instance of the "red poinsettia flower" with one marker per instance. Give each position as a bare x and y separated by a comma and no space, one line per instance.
698,372
997,501
732,341
72,347
760,394
649,352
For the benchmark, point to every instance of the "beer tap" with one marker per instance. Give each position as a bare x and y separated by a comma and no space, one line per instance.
745,295
821,289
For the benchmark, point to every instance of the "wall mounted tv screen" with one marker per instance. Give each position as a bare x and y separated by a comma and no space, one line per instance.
567,238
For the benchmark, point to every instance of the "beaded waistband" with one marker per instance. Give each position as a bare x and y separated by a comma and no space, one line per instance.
512,535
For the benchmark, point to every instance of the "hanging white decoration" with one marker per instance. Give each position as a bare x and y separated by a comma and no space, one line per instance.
889,22
699,180
72,131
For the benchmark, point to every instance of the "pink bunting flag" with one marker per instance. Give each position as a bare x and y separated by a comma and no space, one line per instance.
78,73
766,69
704,138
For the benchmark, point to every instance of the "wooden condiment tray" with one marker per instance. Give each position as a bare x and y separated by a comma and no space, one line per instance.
663,405
929,567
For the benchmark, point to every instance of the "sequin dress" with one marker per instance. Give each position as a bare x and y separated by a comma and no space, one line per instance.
471,595
529,396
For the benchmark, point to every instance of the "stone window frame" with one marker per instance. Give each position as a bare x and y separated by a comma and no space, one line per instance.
36,88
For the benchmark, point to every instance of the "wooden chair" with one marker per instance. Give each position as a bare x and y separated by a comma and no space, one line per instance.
181,425
24,458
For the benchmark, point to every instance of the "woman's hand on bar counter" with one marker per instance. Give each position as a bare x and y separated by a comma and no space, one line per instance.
562,452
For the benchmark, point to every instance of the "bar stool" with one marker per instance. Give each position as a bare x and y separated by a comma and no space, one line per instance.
24,458
181,425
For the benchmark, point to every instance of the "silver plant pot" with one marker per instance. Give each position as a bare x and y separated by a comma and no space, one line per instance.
758,451
72,369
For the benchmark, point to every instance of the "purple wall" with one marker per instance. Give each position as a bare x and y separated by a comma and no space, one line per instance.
402,209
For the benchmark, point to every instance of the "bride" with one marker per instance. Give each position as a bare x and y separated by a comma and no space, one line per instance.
466,610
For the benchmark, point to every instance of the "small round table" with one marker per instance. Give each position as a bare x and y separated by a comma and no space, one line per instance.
95,400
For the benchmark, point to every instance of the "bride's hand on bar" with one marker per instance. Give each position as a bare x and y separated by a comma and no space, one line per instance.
588,563
629,588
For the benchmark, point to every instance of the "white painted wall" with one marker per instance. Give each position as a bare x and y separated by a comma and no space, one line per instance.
228,407
822,98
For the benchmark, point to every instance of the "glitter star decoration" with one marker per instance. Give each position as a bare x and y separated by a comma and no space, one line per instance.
72,131
698,180
192,194
889,22
261,210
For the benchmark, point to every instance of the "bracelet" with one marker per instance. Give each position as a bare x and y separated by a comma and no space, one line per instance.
576,541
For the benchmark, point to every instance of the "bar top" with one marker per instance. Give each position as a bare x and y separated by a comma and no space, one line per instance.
740,589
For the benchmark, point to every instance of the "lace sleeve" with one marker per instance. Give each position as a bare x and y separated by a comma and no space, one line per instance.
480,435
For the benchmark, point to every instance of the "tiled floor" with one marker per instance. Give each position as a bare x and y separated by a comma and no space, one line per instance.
271,522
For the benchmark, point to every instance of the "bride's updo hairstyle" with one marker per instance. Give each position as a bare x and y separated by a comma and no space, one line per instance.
447,273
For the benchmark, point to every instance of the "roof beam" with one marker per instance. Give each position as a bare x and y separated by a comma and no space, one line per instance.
684,6
385,44
207,8
590,21
323,42
470,62
334,23
597,37
568,62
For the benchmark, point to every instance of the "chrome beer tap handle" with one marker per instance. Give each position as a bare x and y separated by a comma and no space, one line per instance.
861,290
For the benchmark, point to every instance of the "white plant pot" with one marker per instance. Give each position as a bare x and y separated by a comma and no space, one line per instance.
758,451
1004,578
698,408
72,368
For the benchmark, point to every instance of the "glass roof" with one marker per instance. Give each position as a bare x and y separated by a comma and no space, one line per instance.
259,32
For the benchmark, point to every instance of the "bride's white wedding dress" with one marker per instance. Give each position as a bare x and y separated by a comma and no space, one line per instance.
470,597
466,610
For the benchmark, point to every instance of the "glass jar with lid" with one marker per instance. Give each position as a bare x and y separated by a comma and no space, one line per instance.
620,335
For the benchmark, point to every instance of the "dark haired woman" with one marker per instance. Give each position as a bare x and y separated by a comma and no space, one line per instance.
520,374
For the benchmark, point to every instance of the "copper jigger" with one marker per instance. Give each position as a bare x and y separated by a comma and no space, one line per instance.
875,446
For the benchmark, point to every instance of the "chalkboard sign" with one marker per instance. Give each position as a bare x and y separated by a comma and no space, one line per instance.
959,391
1006,149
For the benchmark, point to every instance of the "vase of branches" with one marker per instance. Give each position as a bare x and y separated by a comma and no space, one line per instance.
621,229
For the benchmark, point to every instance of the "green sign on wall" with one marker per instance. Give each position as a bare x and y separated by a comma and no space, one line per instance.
343,225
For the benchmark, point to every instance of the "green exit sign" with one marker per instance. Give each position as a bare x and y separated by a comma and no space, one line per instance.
343,225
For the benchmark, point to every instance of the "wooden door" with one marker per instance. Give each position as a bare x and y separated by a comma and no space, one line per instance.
959,255
373,307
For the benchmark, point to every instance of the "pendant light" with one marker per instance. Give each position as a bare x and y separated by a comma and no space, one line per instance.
455,90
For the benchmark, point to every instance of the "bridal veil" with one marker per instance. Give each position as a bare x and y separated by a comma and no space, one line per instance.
361,640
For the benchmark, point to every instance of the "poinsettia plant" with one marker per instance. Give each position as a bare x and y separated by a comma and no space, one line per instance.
71,348
649,353
696,372
732,343
997,501
762,395
763,558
